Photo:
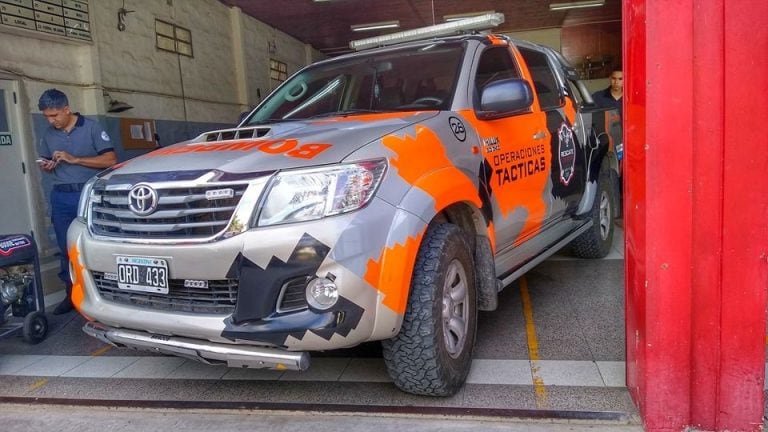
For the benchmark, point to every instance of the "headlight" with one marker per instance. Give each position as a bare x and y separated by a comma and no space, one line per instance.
294,196
85,197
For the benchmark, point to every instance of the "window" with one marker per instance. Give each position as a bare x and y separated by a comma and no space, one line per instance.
170,37
278,70
415,78
544,81
496,64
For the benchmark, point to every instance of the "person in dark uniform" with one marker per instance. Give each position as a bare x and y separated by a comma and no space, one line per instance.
612,96
72,150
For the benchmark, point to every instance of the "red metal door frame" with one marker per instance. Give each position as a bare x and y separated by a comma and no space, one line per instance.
696,98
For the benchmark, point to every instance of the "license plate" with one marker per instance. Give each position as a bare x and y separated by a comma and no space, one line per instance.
145,274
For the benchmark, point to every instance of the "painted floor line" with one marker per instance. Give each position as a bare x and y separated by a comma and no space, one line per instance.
533,346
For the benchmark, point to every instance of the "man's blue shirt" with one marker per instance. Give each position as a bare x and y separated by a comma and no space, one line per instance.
604,99
86,139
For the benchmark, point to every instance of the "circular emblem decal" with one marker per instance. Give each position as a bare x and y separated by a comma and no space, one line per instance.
142,199
104,136
458,129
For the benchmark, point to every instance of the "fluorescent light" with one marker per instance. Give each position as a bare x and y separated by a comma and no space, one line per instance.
375,26
482,22
456,17
576,5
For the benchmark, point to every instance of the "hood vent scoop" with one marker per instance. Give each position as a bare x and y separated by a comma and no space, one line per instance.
236,134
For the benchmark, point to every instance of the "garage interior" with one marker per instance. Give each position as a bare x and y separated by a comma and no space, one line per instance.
556,347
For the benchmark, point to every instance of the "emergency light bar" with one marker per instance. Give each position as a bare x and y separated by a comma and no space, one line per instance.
480,22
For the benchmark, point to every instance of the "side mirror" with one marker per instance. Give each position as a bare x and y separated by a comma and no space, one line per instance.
505,97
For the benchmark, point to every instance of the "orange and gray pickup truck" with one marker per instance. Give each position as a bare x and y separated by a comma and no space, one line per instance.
388,194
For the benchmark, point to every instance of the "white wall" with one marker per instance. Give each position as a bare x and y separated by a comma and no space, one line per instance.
130,68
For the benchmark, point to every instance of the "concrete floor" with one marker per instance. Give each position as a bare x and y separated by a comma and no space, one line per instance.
577,370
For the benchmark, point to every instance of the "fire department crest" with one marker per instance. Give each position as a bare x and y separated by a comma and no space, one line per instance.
566,153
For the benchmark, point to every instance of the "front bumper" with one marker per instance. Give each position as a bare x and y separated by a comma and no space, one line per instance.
202,351
261,260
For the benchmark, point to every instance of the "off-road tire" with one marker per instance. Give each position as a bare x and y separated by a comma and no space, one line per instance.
433,351
597,240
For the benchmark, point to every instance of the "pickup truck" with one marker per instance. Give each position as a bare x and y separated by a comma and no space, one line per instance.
385,195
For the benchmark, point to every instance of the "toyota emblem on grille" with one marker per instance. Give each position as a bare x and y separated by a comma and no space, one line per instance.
142,199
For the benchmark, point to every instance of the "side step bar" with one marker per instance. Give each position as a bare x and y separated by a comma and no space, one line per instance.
200,350
551,250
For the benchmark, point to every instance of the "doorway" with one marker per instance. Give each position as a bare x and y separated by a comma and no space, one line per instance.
16,164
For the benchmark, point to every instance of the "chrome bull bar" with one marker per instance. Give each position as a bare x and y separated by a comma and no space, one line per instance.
200,350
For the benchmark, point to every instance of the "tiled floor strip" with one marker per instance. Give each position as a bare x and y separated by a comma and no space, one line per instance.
484,371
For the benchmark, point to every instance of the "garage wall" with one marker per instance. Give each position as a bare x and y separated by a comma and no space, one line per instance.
200,92
229,70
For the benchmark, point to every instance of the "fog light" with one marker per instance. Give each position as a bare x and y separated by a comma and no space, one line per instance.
322,293
11,291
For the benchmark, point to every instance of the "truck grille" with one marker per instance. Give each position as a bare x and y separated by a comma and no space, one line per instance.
182,213
219,298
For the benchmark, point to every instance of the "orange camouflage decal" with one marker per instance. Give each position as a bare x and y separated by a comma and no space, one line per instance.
519,164
394,285
570,110
78,280
496,40
416,155
424,153
290,148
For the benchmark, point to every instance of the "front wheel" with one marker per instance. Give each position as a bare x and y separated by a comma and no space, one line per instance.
432,353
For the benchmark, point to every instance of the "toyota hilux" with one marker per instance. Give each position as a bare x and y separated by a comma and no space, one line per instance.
385,195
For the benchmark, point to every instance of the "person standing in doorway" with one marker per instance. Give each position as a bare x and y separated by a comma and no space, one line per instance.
612,97
72,150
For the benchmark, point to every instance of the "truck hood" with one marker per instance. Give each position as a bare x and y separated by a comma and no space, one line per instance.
277,146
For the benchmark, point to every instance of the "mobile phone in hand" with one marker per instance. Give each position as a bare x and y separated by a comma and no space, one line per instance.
46,162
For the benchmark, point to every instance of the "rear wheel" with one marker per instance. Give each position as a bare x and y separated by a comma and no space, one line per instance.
432,353
596,241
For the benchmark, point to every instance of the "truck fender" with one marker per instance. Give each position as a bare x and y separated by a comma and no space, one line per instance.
445,186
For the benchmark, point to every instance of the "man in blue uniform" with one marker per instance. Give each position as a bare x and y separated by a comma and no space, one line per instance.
72,150
612,97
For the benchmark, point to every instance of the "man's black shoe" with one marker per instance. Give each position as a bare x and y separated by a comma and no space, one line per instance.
63,307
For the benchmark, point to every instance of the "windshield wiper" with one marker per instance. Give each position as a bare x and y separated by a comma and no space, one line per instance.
348,113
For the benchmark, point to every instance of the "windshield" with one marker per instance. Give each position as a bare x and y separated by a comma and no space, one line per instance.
408,79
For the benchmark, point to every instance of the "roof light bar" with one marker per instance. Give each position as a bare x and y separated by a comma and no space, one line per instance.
482,22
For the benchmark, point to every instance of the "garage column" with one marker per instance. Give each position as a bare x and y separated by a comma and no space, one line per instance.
696,206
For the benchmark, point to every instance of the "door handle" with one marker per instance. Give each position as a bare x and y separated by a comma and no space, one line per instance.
540,135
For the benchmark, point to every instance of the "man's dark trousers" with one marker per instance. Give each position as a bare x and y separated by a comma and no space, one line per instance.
63,212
